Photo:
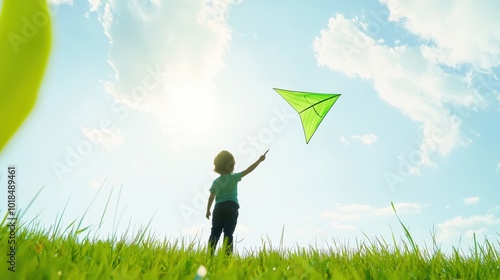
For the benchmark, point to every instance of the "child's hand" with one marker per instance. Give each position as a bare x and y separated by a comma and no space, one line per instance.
208,215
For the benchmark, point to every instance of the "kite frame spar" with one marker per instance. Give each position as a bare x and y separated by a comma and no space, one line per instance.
303,102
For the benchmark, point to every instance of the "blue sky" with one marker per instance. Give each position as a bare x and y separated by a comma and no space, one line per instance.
139,97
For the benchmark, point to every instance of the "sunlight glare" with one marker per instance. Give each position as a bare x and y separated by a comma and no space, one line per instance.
190,108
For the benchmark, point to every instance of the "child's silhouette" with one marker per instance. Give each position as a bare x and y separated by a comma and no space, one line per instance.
225,192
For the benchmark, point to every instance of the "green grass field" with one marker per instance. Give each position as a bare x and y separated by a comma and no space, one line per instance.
75,252
70,253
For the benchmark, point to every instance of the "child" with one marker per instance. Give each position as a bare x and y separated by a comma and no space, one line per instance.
225,191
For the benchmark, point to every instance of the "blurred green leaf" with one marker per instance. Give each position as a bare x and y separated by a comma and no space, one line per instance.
25,40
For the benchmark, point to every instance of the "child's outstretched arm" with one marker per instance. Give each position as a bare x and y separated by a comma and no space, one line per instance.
254,165
209,205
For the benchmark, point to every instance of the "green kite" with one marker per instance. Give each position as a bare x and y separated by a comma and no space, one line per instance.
312,107
25,40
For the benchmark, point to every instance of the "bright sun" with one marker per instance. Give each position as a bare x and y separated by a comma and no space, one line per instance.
190,109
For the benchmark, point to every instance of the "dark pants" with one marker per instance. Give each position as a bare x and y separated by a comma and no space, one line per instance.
224,219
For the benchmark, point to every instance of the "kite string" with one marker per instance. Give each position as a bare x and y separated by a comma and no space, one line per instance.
277,136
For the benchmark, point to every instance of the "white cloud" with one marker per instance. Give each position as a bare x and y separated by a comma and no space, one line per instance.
464,31
402,208
411,79
165,53
94,5
475,133
104,137
342,226
459,225
406,75
344,140
498,167
320,232
471,200
355,208
366,139
342,215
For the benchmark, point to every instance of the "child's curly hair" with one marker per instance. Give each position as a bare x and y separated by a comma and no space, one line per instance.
223,162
